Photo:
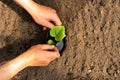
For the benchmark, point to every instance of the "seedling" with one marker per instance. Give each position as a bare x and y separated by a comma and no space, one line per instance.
57,34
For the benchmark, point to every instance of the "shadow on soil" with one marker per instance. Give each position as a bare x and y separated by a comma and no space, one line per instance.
14,49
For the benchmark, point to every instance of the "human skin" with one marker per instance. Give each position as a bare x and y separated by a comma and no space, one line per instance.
38,55
42,15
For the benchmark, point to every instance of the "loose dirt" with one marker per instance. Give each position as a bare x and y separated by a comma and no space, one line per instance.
92,49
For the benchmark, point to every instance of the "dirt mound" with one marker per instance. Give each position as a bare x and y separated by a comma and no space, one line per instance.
92,44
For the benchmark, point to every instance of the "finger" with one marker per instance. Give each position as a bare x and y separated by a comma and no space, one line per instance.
56,51
56,54
49,24
56,20
47,47
53,55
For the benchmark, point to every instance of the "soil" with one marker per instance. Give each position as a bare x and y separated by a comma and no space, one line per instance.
92,49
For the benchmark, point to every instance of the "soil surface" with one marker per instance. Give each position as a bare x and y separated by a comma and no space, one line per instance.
92,49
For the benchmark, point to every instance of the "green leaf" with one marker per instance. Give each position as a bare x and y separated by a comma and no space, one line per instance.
58,32
51,42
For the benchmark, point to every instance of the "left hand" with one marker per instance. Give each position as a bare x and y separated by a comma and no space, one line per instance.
40,55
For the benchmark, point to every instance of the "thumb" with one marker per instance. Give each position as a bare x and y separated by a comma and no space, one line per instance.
47,47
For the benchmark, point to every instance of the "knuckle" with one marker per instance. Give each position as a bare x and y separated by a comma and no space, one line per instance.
57,55
38,45
54,10
43,22
47,61
45,64
36,20
33,46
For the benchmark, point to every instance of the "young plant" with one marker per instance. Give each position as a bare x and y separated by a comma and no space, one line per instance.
57,33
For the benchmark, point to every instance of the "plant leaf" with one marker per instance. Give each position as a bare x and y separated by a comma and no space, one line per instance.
58,32
51,42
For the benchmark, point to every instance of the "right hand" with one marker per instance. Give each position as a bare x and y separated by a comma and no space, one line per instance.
42,15
41,55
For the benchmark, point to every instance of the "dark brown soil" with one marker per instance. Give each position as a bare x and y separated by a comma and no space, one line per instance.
92,44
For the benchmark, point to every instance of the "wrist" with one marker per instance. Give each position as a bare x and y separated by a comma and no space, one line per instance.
26,4
18,64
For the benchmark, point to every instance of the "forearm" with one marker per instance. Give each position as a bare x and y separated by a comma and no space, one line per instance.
11,68
26,4
5,72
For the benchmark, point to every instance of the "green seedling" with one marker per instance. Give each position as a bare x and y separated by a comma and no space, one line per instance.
51,42
58,33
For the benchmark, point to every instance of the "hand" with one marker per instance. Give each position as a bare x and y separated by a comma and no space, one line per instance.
42,15
45,16
41,55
